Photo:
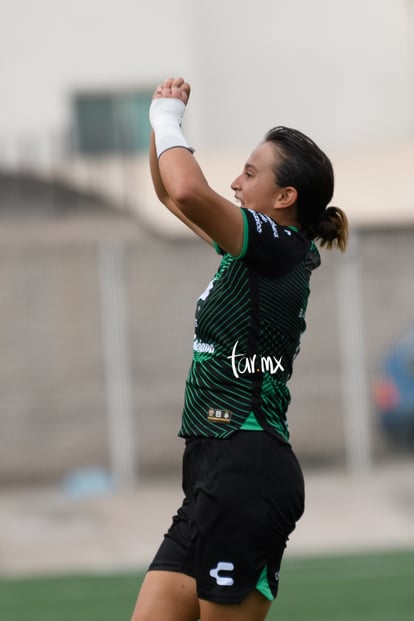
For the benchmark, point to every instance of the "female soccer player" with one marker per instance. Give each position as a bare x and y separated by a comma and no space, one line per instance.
243,486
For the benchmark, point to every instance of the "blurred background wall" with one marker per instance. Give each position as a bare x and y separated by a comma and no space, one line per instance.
98,284
340,70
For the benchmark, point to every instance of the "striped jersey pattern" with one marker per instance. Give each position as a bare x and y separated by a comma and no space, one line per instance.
248,324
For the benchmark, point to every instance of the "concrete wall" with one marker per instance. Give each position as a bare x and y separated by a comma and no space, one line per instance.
53,379
339,70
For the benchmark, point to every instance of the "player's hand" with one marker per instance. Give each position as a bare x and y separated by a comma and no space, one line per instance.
175,88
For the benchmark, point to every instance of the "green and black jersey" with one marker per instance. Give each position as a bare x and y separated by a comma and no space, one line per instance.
248,325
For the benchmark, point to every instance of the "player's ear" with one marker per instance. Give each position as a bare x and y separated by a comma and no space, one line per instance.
286,197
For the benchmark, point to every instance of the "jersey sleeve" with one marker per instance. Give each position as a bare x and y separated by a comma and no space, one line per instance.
269,246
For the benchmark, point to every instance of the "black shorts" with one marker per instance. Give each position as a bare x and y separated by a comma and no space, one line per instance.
243,496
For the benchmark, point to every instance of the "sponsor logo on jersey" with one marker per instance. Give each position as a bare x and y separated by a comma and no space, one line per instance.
203,297
220,578
219,416
260,218
257,220
202,348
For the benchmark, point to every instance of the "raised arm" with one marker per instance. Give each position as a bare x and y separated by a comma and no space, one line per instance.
178,179
165,198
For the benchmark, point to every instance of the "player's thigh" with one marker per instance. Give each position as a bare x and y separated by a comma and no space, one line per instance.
167,596
253,608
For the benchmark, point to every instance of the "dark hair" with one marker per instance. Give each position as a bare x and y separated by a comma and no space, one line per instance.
305,166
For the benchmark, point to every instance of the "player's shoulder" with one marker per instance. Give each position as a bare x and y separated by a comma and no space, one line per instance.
276,245
263,228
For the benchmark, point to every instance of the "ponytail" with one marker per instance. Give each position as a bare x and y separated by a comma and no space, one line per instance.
303,165
331,229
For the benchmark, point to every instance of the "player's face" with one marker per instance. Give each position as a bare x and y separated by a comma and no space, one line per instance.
256,187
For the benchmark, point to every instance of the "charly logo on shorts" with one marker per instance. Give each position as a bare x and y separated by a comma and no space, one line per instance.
222,580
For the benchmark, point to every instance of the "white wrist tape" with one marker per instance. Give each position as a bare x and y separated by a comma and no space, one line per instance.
166,116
